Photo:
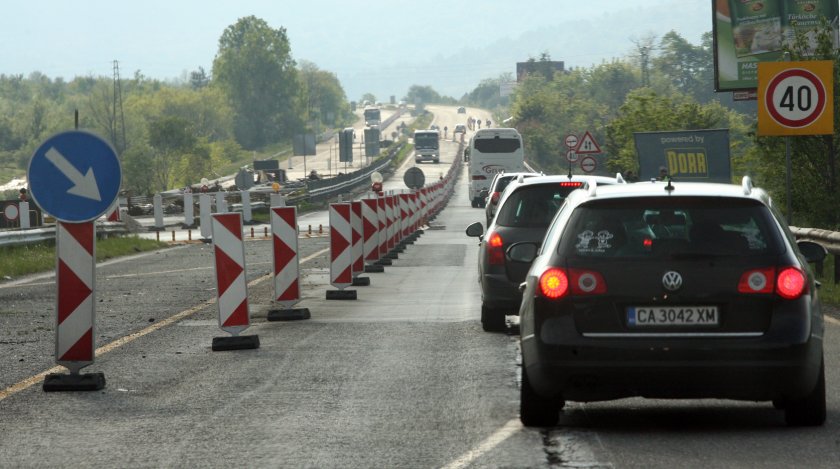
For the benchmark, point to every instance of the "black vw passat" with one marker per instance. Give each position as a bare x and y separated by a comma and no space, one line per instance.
670,290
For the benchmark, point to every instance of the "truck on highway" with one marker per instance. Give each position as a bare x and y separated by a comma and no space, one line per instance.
373,116
426,145
492,151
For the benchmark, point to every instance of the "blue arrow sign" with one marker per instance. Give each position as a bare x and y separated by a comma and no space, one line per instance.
74,176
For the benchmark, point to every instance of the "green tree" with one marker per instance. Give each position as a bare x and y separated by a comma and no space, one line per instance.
255,69
424,94
169,139
325,98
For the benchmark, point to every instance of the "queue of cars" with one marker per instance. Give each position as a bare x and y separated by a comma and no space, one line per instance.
656,289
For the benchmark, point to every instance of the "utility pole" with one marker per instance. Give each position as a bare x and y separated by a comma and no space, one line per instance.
118,106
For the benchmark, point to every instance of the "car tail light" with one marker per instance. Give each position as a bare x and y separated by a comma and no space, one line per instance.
554,283
479,178
790,283
587,282
495,249
571,184
494,199
757,281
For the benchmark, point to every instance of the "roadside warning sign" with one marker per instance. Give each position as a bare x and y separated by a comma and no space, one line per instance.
795,98
588,144
588,164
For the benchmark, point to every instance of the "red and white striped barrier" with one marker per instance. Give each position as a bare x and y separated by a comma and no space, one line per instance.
405,215
370,229
382,233
357,249
284,234
341,256
232,287
76,302
75,308
391,223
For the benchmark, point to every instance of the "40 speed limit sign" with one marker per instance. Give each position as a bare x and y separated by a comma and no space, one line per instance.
796,98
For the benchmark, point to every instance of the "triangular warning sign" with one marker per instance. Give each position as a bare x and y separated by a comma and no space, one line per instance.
588,144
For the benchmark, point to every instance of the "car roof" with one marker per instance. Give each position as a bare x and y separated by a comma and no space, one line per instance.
672,189
515,185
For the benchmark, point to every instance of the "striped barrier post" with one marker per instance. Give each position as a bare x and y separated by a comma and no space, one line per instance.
232,287
382,232
370,235
405,215
75,308
286,264
391,227
341,258
357,249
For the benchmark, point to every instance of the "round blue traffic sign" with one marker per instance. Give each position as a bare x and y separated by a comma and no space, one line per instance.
74,176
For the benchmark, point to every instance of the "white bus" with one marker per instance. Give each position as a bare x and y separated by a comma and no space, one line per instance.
426,145
492,151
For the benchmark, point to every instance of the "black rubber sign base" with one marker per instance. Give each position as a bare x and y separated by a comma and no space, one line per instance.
374,269
57,382
361,282
237,342
291,314
341,294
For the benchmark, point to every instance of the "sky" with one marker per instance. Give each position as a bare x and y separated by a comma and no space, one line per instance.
381,47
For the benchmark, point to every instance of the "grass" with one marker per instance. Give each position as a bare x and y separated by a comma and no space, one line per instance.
16,261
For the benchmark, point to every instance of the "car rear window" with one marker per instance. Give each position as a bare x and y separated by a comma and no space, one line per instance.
671,227
497,145
532,206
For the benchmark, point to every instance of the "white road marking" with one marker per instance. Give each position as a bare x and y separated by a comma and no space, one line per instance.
502,434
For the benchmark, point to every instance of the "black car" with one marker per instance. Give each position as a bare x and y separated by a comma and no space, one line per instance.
497,187
525,211
670,290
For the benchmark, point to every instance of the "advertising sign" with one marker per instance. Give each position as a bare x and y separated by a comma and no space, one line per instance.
686,155
746,32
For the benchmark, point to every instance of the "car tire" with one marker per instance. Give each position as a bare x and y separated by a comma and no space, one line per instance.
535,410
808,411
474,203
492,320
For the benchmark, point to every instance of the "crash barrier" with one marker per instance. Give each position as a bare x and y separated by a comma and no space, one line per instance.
232,288
830,240
75,307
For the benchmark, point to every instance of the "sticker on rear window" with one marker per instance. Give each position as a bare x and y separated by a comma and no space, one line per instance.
602,241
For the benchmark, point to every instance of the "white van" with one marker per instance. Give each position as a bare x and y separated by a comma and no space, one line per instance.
492,151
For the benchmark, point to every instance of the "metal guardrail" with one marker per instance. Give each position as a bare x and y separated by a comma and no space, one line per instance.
830,240
37,235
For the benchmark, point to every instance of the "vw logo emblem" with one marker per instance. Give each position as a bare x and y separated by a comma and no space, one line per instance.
672,280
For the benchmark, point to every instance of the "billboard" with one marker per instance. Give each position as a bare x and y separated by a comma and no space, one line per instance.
685,155
746,32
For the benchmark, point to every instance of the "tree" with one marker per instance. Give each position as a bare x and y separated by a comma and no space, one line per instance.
325,98
199,78
169,138
424,94
254,68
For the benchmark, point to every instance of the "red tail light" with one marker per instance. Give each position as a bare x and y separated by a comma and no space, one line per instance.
587,282
757,281
571,184
479,178
556,283
495,249
494,199
788,282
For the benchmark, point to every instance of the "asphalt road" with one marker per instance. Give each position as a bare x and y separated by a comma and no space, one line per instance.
403,377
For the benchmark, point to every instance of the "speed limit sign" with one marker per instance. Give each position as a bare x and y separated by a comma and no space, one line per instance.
795,98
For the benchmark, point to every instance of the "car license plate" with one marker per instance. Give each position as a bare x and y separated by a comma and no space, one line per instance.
645,316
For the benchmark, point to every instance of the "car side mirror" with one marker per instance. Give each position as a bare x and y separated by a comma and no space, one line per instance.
812,251
524,252
484,193
475,230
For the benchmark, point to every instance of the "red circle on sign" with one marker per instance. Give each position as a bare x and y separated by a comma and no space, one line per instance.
11,212
810,117
588,164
